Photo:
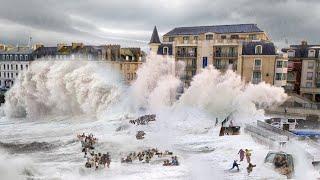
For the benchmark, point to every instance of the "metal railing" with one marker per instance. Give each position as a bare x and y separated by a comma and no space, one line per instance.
226,54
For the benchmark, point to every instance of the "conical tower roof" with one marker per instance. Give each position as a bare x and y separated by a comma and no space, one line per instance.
155,36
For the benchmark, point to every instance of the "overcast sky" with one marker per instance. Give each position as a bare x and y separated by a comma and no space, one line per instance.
130,22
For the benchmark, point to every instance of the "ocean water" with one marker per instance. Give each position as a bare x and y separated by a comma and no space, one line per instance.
54,101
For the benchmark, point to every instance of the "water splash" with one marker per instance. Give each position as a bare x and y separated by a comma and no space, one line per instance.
63,88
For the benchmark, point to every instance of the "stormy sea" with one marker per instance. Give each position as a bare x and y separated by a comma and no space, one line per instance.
54,101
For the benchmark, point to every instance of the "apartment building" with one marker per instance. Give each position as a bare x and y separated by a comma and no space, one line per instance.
244,48
304,70
12,62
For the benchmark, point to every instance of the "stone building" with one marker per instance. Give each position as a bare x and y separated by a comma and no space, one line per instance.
244,48
304,70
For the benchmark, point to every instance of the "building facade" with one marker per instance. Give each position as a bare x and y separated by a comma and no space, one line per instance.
244,48
304,70
12,62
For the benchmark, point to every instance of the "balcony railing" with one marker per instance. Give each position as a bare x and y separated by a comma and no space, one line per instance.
186,55
226,54
227,41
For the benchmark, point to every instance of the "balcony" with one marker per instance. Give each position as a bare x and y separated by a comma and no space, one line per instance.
227,41
186,55
312,90
256,80
228,55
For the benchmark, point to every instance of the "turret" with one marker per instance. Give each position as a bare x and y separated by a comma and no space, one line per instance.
154,41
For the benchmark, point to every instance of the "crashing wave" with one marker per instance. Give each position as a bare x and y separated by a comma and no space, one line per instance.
26,147
63,88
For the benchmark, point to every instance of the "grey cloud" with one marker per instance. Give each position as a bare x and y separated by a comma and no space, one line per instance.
86,20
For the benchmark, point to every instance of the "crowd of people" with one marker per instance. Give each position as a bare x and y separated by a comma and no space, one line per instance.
244,154
94,160
147,155
143,120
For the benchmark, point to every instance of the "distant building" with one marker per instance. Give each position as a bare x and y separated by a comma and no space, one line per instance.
75,51
304,70
12,62
244,48
126,60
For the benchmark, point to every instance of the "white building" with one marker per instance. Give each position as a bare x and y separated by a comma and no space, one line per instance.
12,62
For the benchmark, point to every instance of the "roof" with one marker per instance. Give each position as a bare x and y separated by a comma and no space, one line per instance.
18,50
160,49
155,36
268,48
301,51
220,29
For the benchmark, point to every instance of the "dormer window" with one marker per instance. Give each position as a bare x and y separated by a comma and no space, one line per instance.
235,36
258,49
171,39
209,37
223,37
185,39
291,53
311,53
165,50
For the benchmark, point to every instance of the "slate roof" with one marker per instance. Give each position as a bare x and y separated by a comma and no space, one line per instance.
268,48
160,49
301,51
155,36
220,29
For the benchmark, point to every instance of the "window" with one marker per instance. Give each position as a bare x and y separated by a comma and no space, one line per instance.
27,66
285,64
235,36
309,84
171,39
11,66
3,57
21,66
194,63
291,53
310,65
281,76
195,38
309,75
16,57
21,57
4,67
11,75
258,49
218,63
186,38
252,37
16,66
165,50
223,37
204,62
311,53
256,75
257,63
279,64
7,66
209,36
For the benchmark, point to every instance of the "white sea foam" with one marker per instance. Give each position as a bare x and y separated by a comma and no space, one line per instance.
63,88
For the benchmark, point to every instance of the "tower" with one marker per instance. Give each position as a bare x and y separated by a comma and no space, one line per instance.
154,41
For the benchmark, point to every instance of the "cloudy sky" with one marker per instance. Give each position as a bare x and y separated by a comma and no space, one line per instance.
130,22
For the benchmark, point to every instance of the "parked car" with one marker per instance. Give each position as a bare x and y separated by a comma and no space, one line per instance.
282,162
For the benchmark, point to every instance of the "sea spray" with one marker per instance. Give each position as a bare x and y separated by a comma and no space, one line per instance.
63,88
156,85
223,94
